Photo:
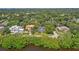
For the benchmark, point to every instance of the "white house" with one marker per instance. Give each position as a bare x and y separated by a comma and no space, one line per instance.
16,29
62,28
77,20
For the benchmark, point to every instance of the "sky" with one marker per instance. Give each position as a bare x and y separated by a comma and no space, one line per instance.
39,3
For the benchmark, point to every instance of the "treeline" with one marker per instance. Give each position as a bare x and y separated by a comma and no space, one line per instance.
5,10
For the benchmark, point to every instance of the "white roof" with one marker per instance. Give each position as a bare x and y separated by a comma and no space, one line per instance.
16,29
63,28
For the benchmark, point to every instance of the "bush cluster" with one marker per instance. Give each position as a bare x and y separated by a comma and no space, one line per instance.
20,41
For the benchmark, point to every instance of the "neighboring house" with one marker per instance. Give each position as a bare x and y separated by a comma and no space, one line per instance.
62,28
16,14
2,27
3,22
29,28
41,29
74,19
77,20
58,30
16,29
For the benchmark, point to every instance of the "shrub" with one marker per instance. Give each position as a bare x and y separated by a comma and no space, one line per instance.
50,43
45,42
19,41
66,40
7,42
12,41
75,41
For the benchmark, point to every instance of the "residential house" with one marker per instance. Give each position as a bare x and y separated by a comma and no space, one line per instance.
16,14
62,28
16,29
41,29
3,24
77,20
2,27
29,28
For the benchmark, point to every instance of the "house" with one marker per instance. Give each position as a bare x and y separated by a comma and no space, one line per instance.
16,29
2,27
77,20
59,29
29,28
16,14
62,28
41,29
